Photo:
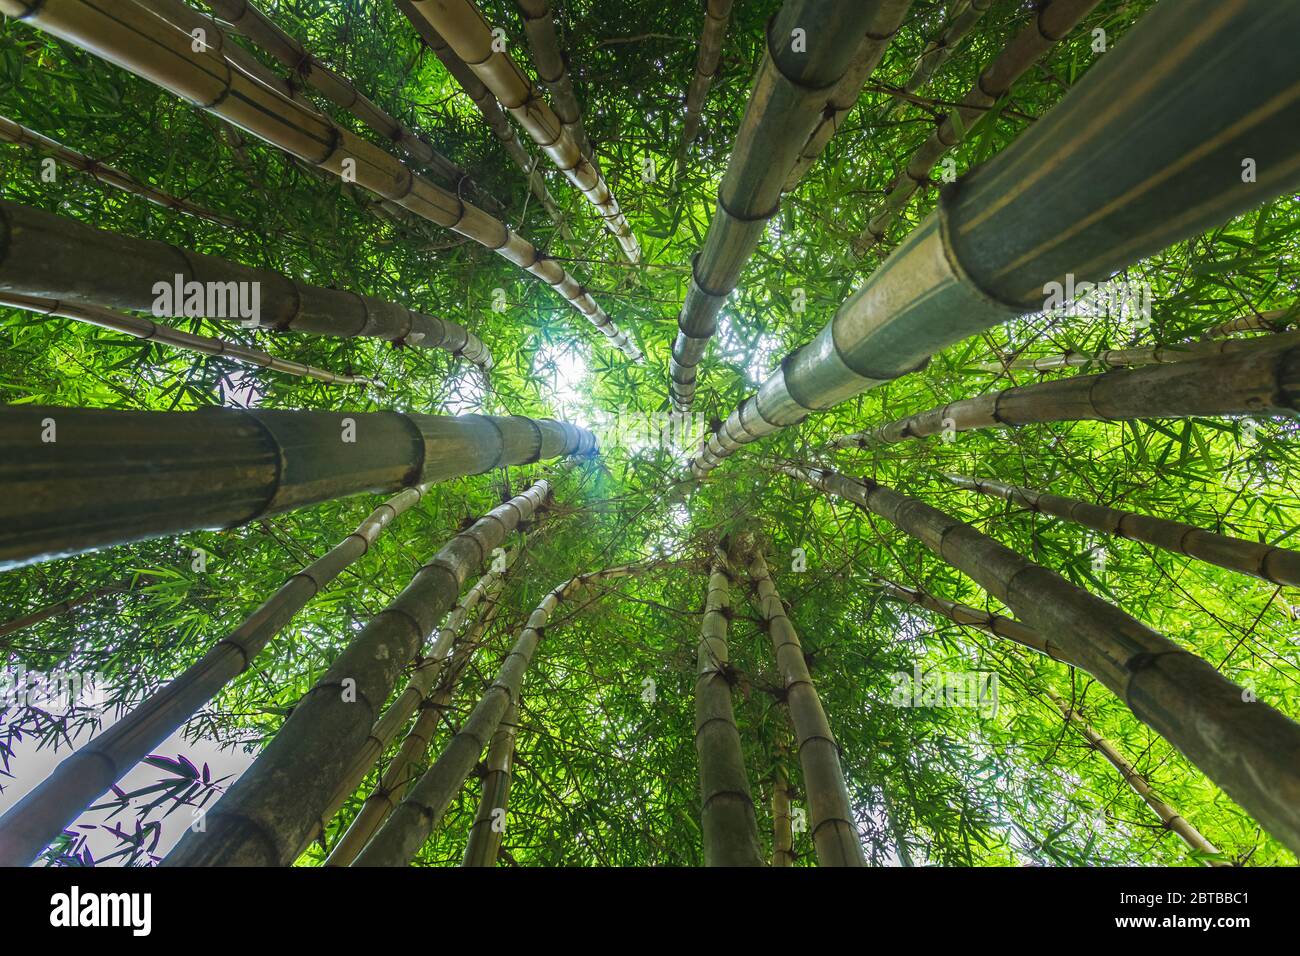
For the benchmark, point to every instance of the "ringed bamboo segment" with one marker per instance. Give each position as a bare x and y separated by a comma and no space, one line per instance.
539,25
1278,565
36,821
717,13
484,844
272,810
727,817
1259,377
785,106
139,40
782,826
466,31
150,331
834,832
1051,23
1224,83
75,479
12,132
54,257
939,50
1125,358
408,827
1245,746
1274,321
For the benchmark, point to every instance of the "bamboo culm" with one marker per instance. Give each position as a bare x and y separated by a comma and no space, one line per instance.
938,51
1122,358
485,833
539,25
717,13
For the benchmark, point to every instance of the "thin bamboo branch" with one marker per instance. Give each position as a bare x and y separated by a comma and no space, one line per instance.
484,844
539,26
1241,743
717,13
939,50
12,132
1120,358
70,604
1274,321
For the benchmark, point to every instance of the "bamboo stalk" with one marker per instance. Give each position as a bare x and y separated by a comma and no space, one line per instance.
834,833
1273,321
271,812
1050,206
462,25
939,50
887,18
54,257
485,832
785,105
1052,21
69,604
1271,563
782,832
1122,358
1245,746
408,827
12,132
727,816
717,13
35,821
1260,377
539,26
144,43
142,328
75,479
491,110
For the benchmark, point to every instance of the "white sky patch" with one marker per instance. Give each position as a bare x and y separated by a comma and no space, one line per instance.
468,392
244,390
563,372
757,355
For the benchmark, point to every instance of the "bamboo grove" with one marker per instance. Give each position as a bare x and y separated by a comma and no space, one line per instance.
559,432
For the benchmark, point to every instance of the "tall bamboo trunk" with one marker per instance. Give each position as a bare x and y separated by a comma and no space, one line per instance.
151,331
834,832
462,25
408,827
139,40
785,106
1051,22
1273,321
76,479
12,132
35,821
727,816
1245,746
485,833
938,51
1278,565
717,13
1262,377
782,831
539,25
491,110
1221,77
1123,358
54,257
271,812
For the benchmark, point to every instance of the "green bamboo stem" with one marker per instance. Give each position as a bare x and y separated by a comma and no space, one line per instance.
462,25
1271,563
1122,358
1242,744
76,479
50,256
834,833
408,827
782,832
12,132
1050,206
539,26
1260,377
1272,321
35,821
137,39
785,105
271,812
1051,23
485,833
717,14
150,331
939,50
727,817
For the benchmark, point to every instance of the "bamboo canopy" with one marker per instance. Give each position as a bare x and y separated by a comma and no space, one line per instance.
71,604
1095,161
1052,21
727,817
717,13
271,812
466,31
539,26
834,830
1245,746
398,841
138,40
12,132
34,822
939,50
484,844
151,331
785,105
1259,377
79,478
55,257
1271,563
1121,358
